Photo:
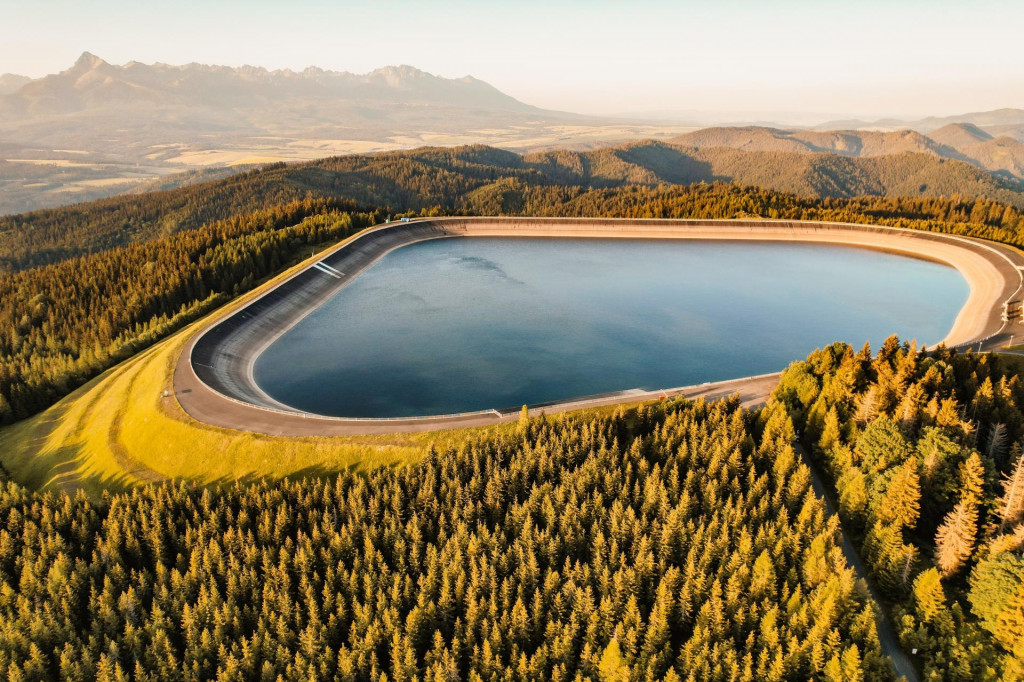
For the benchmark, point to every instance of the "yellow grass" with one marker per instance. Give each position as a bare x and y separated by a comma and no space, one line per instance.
118,431
340,146
227,157
112,182
60,163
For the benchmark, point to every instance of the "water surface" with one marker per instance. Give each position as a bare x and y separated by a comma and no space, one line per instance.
456,325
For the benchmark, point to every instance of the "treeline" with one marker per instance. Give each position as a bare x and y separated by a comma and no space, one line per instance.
402,180
924,453
982,218
680,541
62,324
484,180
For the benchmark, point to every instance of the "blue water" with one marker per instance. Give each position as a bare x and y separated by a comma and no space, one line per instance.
456,325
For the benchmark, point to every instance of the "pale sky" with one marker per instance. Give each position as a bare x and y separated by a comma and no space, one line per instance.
902,58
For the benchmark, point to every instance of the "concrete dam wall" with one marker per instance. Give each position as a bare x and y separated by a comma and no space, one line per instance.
217,365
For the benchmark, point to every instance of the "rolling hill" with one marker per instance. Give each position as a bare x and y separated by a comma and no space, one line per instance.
995,122
812,175
1002,156
97,129
458,179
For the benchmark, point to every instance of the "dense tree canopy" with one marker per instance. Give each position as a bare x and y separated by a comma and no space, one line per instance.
680,541
921,448
63,323
633,181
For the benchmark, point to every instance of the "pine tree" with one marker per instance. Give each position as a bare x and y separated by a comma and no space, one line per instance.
972,479
886,555
613,666
997,598
910,406
853,493
830,432
929,596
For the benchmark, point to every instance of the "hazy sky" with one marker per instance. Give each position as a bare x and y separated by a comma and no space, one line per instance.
906,58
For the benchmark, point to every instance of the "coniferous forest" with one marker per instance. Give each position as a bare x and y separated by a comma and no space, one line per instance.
130,270
680,541
924,453
676,541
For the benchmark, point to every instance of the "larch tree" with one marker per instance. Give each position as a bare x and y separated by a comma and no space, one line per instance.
996,442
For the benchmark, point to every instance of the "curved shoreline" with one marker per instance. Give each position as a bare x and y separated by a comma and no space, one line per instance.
213,379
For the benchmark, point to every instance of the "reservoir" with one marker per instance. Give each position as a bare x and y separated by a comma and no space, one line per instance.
465,324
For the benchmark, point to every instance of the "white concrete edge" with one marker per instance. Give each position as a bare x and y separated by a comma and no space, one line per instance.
560,405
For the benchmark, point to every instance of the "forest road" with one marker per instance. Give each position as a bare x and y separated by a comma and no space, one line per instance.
901,663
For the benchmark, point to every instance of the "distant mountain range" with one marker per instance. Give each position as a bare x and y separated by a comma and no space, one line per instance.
94,86
98,129
479,180
1009,122
1002,156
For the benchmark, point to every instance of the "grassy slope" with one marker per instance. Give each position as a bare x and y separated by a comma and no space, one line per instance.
118,431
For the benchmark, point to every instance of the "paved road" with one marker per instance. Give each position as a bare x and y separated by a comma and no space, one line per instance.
205,405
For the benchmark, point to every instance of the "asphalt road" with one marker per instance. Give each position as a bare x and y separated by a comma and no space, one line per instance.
207,406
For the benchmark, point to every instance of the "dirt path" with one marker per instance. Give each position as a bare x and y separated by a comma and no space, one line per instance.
890,643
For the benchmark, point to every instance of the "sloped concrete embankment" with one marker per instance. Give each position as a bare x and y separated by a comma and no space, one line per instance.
214,379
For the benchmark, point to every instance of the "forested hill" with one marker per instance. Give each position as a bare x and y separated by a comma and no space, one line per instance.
924,453
482,180
63,323
679,542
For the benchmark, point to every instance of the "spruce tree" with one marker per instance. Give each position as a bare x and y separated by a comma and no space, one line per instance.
954,541
901,502
1011,504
